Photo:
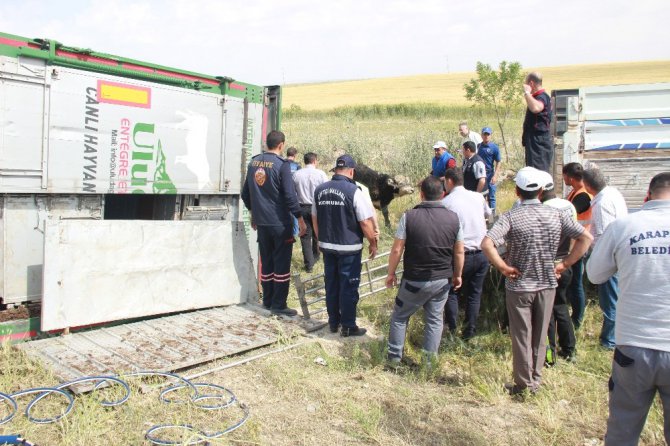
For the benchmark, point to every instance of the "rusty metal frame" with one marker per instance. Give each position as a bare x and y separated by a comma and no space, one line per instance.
309,296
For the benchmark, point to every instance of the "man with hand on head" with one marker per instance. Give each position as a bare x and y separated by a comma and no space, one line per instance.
532,233
536,138
341,217
431,239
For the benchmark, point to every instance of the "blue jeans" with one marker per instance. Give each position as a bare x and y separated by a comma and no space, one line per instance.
576,296
342,277
608,293
492,191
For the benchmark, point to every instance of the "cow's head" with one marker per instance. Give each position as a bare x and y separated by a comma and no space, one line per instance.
401,185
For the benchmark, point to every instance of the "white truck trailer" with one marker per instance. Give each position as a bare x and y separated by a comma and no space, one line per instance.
623,129
120,184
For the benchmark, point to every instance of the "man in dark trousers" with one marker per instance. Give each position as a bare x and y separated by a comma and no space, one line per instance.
432,241
472,212
536,138
269,193
474,169
341,217
306,180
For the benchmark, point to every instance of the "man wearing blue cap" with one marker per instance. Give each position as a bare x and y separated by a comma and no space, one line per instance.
341,216
490,153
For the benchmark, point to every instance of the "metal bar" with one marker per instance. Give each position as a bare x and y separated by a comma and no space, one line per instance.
315,289
317,300
300,289
367,270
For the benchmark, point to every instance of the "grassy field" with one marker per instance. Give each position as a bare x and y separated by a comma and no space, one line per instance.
447,89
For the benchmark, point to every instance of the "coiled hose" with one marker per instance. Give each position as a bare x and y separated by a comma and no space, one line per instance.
216,398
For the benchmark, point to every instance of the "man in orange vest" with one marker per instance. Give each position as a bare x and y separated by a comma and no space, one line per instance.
581,200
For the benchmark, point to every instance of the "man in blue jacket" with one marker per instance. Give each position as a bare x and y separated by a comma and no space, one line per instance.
442,160
269,193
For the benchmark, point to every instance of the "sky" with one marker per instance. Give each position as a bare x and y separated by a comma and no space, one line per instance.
296,41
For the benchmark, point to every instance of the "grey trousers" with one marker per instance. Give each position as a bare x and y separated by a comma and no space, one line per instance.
432,296
637,373
529,314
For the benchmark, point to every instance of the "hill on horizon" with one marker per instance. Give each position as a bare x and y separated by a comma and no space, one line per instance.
447,88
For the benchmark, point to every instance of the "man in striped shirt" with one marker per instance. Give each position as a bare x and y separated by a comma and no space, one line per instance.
532,233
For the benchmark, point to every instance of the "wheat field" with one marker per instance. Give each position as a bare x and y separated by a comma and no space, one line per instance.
447,89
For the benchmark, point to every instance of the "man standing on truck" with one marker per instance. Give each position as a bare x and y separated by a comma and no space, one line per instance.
607,206
306,180
581,200
536,138
489,152
532,233
341,217
269,193
637,248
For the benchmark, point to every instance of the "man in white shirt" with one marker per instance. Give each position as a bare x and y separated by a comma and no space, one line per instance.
472,211
607,205
468,135
306,180
637,247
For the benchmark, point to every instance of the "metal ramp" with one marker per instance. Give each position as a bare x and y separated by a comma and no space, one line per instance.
165,344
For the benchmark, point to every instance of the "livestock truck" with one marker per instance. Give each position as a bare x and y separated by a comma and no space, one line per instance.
120,184
622,129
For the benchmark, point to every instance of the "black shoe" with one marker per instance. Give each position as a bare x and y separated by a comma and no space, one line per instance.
309,270
284,311
267,307
355,331
334,328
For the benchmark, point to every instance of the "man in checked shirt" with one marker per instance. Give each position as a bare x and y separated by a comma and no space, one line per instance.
532,233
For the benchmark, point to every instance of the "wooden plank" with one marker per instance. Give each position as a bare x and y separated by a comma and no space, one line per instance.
164,344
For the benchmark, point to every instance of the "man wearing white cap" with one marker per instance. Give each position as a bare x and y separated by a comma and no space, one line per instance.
442,160
532,233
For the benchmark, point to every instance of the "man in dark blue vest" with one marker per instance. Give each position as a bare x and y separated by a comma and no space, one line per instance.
430,236
536,138
269,193
341,217
474,169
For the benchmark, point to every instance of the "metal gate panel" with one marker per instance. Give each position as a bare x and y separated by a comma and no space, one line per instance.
101,271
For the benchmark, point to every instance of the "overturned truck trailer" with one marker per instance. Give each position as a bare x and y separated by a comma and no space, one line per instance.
120,184
623,129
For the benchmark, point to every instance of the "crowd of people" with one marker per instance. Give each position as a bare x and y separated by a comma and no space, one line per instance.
540,246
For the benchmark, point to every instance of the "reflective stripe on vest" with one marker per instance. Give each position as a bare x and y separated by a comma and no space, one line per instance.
336,247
